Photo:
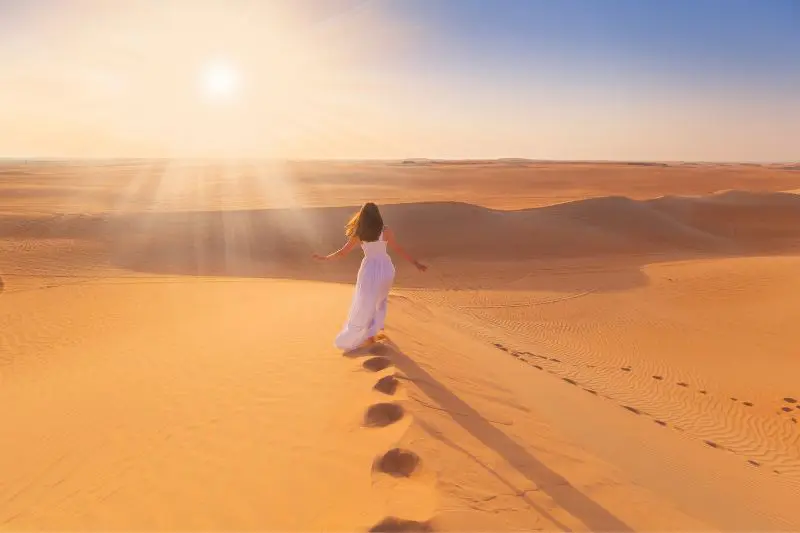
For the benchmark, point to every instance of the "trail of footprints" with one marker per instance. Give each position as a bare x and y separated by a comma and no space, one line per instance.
789,405
397,462
402,463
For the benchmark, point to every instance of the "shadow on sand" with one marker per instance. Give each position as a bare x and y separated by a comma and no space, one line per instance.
559,489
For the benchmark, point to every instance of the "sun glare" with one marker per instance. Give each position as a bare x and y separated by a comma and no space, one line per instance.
220,81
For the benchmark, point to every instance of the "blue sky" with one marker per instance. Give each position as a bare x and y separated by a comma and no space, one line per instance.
682,36
567,79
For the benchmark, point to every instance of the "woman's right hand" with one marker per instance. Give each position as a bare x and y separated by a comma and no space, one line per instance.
420,266
319,257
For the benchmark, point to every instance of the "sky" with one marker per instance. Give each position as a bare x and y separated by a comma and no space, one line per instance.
699,80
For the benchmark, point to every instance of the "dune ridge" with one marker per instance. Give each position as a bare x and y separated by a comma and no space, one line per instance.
732,222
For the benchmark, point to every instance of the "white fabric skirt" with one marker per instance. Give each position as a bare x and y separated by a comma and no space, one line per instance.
368,309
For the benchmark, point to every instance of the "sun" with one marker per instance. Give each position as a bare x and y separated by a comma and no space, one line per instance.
220,81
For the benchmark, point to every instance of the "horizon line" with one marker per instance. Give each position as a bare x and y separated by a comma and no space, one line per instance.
406,160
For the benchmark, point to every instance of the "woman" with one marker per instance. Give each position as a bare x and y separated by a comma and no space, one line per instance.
375,277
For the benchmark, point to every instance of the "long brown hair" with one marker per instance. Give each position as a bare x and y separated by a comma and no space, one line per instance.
367,224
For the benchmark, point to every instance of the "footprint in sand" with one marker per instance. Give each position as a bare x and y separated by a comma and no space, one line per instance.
632,409
373,349
660,422
626,369
383,414
659,378
790,400
392,524
500,346
387,385
786,409
682,384
748,404
570,381
397,463
376,364
754,463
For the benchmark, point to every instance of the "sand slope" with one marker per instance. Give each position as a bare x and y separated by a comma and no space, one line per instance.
524,431
191,405
184,405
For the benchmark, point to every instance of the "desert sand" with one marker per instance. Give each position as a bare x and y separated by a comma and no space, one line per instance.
595,347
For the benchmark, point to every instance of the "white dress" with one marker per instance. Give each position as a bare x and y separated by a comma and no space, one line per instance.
368,310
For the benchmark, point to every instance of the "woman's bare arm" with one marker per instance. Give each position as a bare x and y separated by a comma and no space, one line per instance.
392,241
341,252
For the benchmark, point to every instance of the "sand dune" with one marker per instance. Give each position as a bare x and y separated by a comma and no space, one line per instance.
596,347
278,242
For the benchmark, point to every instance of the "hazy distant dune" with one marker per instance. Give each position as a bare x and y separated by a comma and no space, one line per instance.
731,222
